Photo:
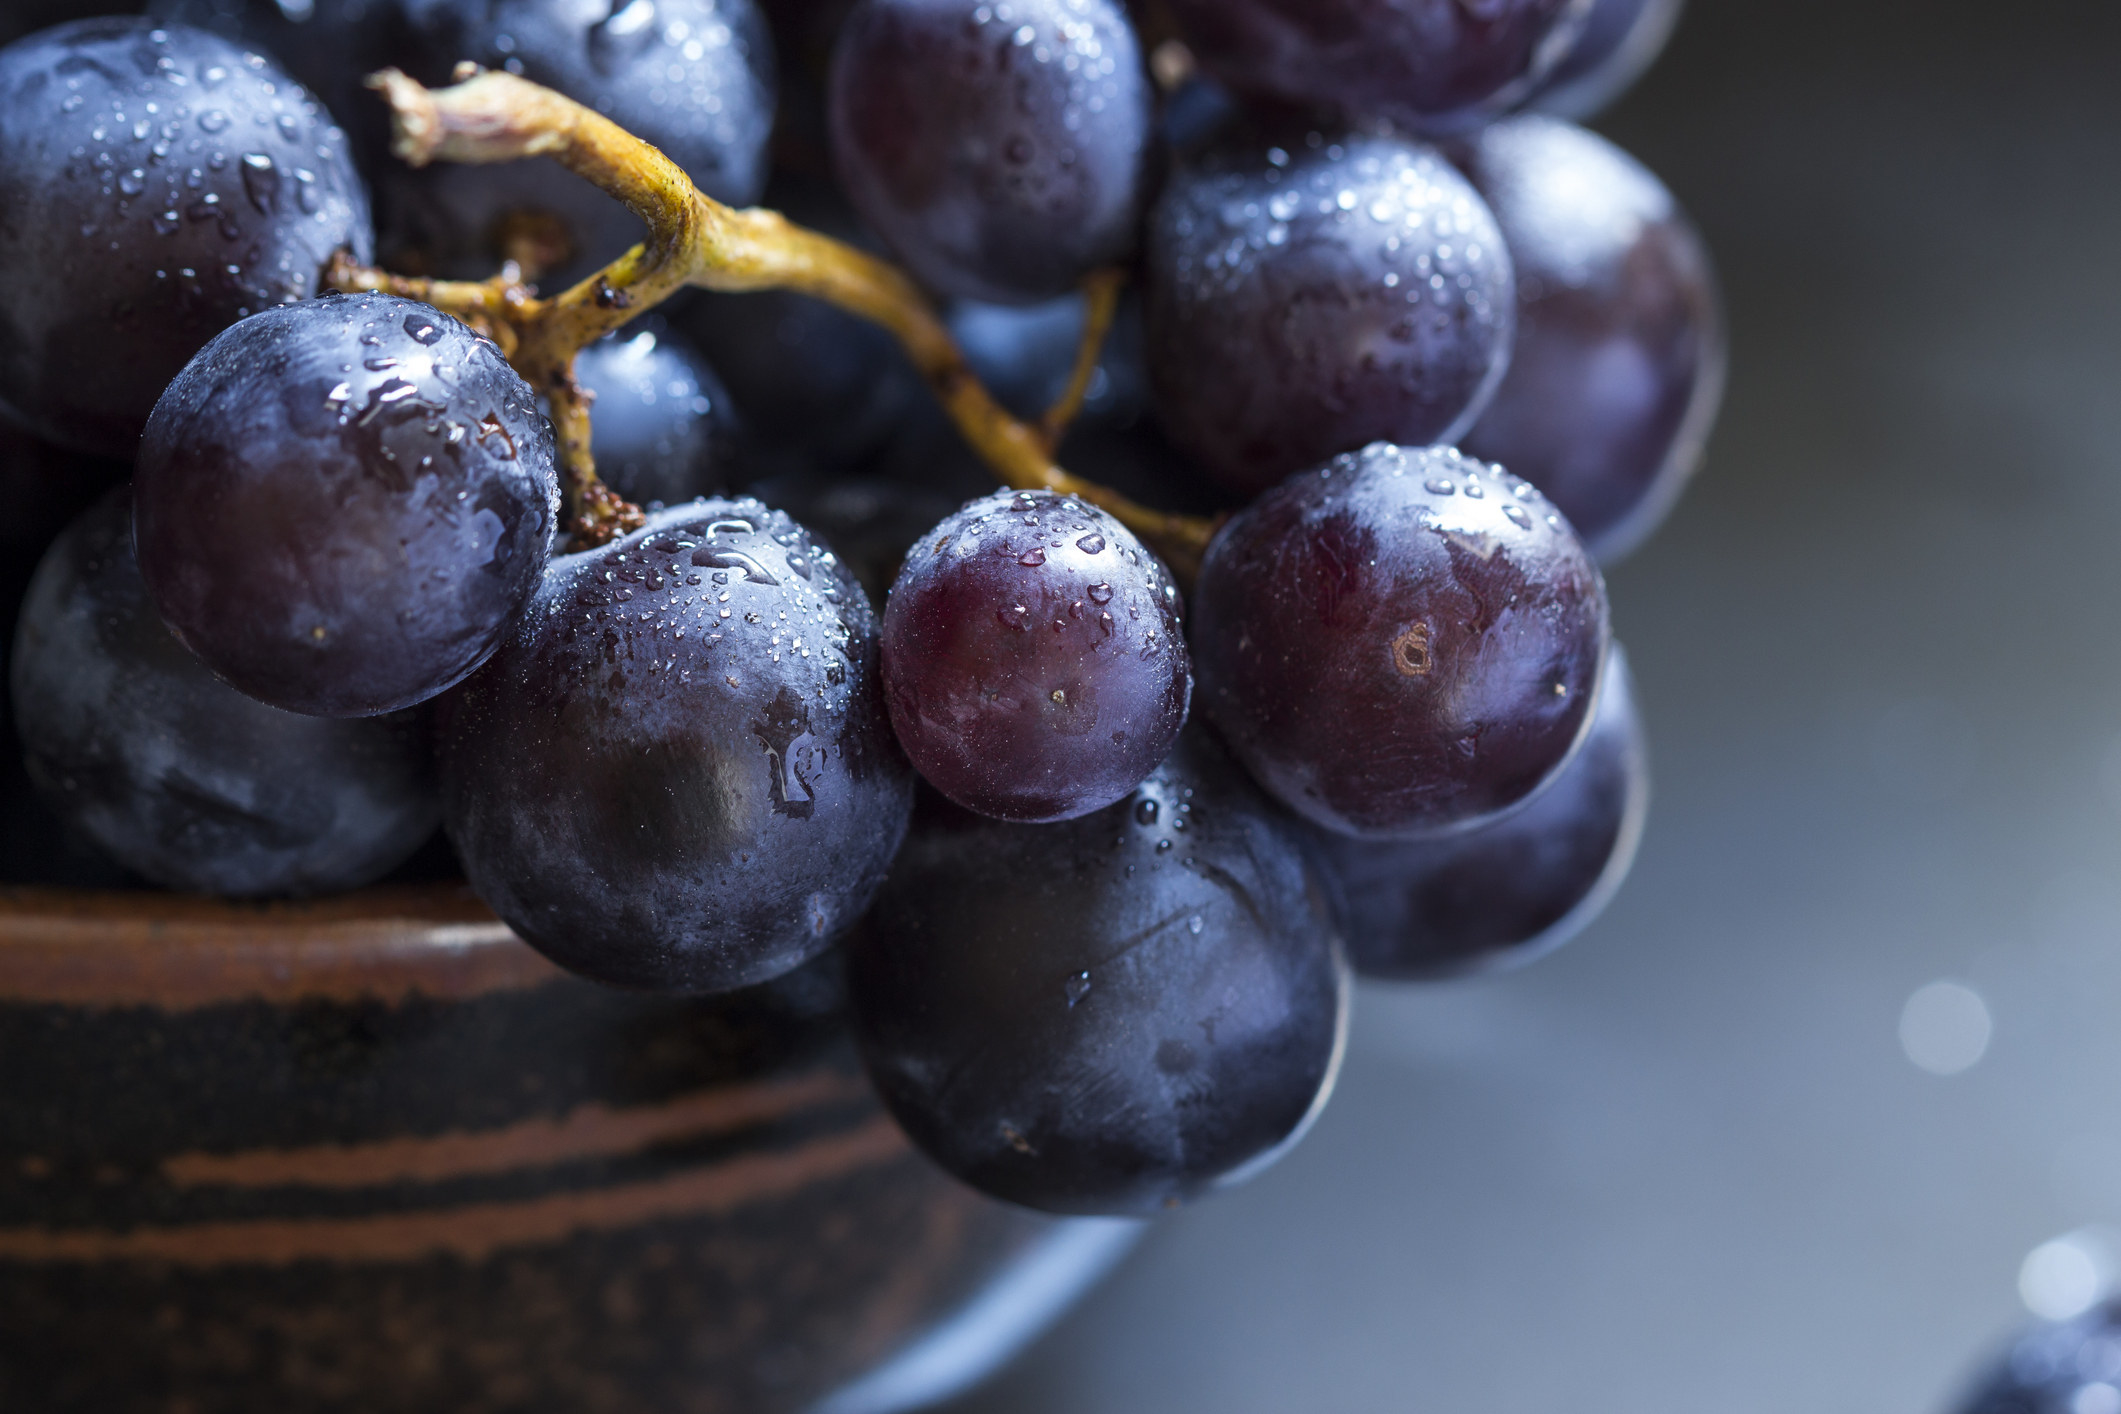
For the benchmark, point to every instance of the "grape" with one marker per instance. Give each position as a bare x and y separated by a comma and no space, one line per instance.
677,772
1505,893
998,149
664,430
155,187
2060,1367
341,505
178,775
331,46
1309,298
1034,658
1439,65
1400,641
1111,1015
692,77
1620,345
1621,39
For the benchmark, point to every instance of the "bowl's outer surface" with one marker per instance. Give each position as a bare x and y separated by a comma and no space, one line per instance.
375,1154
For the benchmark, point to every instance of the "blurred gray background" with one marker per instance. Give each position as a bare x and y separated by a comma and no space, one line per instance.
1691,1163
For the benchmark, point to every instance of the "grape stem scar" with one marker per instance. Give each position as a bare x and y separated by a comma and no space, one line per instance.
488,117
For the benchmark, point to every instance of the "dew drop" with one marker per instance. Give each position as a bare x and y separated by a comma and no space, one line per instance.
1077,987
1100,593
1145,813
1032,558
1518,517
1091,544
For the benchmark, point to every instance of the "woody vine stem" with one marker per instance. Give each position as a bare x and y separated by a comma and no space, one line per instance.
695,240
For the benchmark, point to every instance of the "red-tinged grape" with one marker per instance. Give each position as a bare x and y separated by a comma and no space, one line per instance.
1621,39
342,505
998,149
1400,642
1436,65
1111,1015
665,430
677,773
177,775
1618,370
1034,657
1308,298
1504,893
156,186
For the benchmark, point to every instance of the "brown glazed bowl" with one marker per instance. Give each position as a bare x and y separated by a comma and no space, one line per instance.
374,1154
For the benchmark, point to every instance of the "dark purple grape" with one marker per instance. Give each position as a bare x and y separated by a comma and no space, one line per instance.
1034,657
331,46
1400,642
2058,1367
1436,65
676,773
1308,299
1504,893
178,775
693,77
341,505
1618,369
1111,1015
664,429
1621,39
156,185
998,149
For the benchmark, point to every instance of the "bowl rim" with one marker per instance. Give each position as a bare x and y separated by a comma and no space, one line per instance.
181,952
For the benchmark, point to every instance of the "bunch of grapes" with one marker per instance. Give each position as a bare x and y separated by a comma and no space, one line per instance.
656,567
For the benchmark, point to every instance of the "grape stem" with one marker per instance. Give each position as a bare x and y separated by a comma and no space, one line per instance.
1100,303
694,240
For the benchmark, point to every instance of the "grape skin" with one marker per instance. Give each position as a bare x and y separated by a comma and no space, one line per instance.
129,238
1034,658
1509,892
1429,65
664,429
1400,642
1111,1015
999,150
176,774
677,773
342,505
331,46
1307,298
695,78
1619,364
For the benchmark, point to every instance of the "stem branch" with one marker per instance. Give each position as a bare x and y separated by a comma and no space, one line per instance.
693,239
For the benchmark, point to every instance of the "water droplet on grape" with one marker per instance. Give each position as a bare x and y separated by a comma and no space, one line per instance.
1100,593
1145,813
1032,558
1077,988
1518,517
1092,544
